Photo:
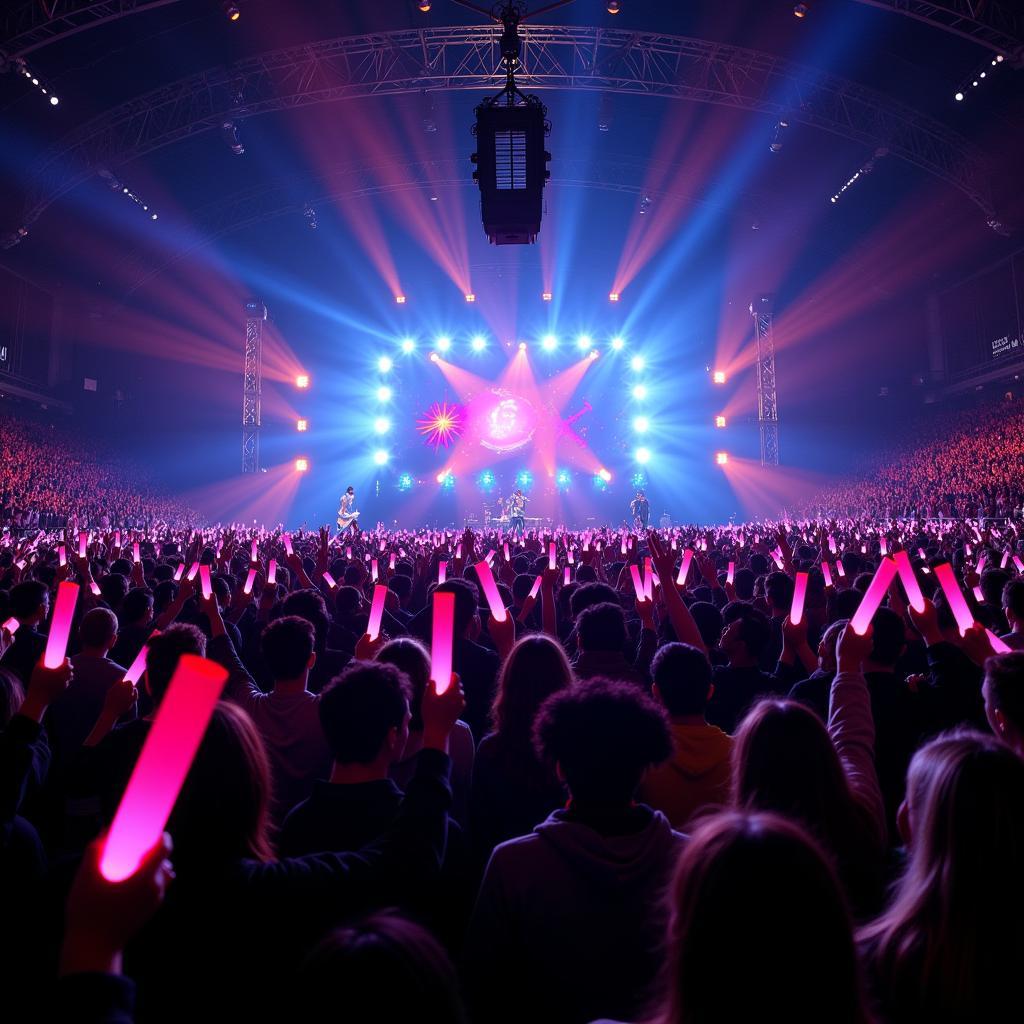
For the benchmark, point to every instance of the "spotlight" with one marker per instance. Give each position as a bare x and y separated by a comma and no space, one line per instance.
385,363
381,425
232,12
583,342
524,478
54,101
640,391
444,344
800,11
614,7
562,479
446,479
152,216
718,377
302,426
302,381
593,354
470,297
380,457
641,424
229,132
604,475
405,482
486,480
479,343
549,343
522,346
721,458
613,296
618,344
546,296
384,393
434,357
959,97
408,346
643,456
637,363
400,300
424,6
719,421
301,465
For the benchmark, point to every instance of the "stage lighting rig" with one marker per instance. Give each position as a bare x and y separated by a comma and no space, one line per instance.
511,161
229,132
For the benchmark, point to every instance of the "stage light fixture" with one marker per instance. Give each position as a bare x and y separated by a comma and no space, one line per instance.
640,391
721,458
232,11
405,482
486,480
522,346
604,475
380,457
593,354
408,346
400,300
301,426
470,297
384,393
446,480
54,101
232,139
800,11
719,421
444,344
641,424
563,479
614,6
479,343
583,342
549,343
959,97
524,478
637,363
618,344
424,6
381,425
643,456
613,296
302,381
718,377
546,296
301,465
385,364
434,357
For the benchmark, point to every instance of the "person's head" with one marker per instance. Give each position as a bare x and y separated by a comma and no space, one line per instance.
827,646
308,605
223,811
746,633
601,628
30,602
288,645
350,490
589,594
753,895
411,657
1003,690
993,584
1013,603
12,696
600,737
952,929
364,713
137,607
113,589
535,668
709,622
401,587
467,606
387,957
681,677
163,653
890,638
98,630
778,592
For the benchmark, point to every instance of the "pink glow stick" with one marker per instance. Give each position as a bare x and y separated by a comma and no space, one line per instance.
730,573
442,640
167,755
535,589
11,625
622,546
883,546
871,601
95,588
348,552
60,625
254,553
569,556
796,610
490,589
458,552
136,557
954,595
831,543
1006,558
489,557
62,555
250,579
967,548
373,570
287,541
117,538
442,572
981,565
383,544
551,555
330,580
924,557
391,560
272,573
205,582
380,592
82,540
1018,563
179,572
840,568
999,646
909,581
508,557
567,577
675,544
979,595
138,666
638,583
648,579
827,573
193,572
684,568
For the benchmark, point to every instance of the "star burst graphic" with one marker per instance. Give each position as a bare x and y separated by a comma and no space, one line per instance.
441,424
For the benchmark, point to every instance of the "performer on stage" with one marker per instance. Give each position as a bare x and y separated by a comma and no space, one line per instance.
640,509
347,514
516,511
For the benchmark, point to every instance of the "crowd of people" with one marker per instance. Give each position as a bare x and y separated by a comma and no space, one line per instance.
954,464
51,478
652,790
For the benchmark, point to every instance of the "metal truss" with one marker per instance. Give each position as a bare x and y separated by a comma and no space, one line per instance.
554,57
252,385
767,396
994,24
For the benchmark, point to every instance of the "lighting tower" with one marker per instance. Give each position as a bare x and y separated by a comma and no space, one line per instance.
252,384
761,309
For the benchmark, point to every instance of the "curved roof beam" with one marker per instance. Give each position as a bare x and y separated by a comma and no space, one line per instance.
554,57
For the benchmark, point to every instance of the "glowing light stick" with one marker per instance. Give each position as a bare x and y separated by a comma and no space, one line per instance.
954,595
249,580
551,555
348,552
205,582
777,557
979,595
373,569
535,589
1006,558
638,583
82,539
383,544
193,572
883,546
924,557
489,557
117,538
62,555
863,549
391,561
490,589
827,573
272,573
567,577
981,565
253,552
442,640
442,572
840,568
796,610
508,557
138,666
648,579
999,646
11,625
831,543
967,548
287,541
380,592
179,572
909,581
685,567
167,755
1018,563
95,588
730,573
675,544
871,601
569,556
136,557
330,580
622,546
60,625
